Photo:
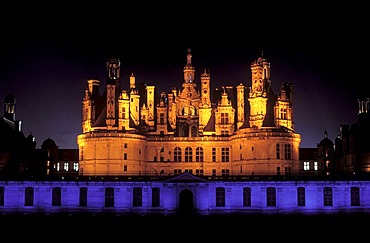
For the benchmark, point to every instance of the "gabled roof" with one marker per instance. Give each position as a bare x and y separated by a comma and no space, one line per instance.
186,177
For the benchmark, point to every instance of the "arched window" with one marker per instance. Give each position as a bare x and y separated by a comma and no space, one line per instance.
188,154
199,155
177,154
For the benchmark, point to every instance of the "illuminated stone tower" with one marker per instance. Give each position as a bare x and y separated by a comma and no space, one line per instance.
132,82
205,108
113,89
284,107
150,104
259,91
162,115
135,106
187,103
124,108
88,104
224,116
240,89
172,108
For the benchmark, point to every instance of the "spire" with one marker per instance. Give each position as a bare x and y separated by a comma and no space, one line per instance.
189,71
188,57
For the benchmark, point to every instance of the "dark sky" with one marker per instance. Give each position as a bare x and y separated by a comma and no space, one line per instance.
49,52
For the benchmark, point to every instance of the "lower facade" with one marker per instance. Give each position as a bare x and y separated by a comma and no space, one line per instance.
185,193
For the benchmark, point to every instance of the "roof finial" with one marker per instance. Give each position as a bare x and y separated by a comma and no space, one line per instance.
189,57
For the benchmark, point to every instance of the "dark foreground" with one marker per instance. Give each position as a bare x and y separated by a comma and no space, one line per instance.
164,228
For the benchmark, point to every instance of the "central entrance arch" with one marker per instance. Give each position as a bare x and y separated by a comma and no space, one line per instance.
186,202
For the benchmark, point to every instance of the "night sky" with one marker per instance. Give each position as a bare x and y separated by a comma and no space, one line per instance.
49,52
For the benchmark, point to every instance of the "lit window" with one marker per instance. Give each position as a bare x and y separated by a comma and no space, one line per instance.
315,166
66,166
306,165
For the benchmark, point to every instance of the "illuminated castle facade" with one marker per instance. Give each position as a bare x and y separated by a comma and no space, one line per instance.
186,152
242,130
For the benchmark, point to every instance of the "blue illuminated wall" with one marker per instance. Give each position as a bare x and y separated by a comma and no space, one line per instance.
198,196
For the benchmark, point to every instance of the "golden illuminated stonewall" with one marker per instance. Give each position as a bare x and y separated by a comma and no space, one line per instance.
228,131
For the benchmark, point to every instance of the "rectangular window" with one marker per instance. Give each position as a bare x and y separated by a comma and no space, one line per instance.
66,166
155,197
225,172
328,196
137,200
125,156
355,196
301,196
161,118
277,151
56,196
83,197
109,197
287,151
283,113
271,196
28,196
316,166
2,196
306,165
224,118
75,166
247,197
225,154
199,172
288,170
213,154
220,197
214,172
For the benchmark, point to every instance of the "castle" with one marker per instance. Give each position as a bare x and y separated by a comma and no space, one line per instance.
239,131
184,151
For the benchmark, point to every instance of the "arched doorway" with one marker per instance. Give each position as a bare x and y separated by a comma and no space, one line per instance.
186,204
